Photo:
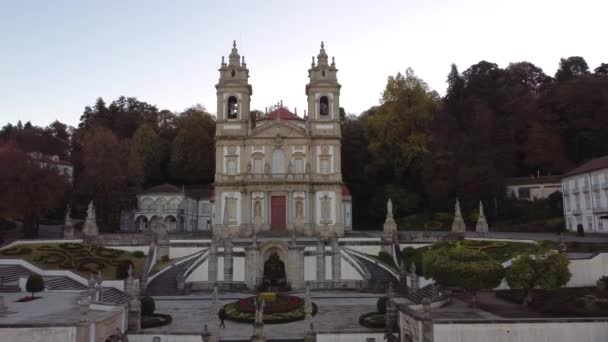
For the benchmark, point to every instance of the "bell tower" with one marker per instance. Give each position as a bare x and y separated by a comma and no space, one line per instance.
323,92
233,95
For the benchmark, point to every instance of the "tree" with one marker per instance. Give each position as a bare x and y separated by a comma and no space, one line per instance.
570,68
148,150
105,173
398,133
548,271
461,267
28,191
34,284
192,157
602,69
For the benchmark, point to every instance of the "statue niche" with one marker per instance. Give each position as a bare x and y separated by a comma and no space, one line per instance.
274,273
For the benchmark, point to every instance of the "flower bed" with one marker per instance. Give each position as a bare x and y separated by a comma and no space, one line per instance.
284,309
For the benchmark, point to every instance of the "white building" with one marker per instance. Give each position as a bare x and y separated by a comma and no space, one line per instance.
533,188
585,191
182,210
63,168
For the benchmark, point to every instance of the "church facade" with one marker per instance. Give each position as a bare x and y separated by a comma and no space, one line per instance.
279,174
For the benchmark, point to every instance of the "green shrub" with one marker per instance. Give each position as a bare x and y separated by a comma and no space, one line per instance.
138,254
165,258
122,270
156,320
381,305
386,258
34,284
147,306
7,225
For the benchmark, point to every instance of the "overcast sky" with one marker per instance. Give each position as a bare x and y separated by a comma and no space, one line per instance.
56,57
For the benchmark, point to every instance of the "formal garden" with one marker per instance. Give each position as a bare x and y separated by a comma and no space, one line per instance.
500,251
278,308
78,257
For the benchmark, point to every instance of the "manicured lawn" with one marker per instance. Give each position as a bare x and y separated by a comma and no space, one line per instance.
83,259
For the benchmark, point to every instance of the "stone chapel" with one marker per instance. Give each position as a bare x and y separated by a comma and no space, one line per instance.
279,174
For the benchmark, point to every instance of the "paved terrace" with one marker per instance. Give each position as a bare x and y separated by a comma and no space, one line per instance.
338,311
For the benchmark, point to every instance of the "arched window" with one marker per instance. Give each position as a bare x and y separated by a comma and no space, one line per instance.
233,108
324,105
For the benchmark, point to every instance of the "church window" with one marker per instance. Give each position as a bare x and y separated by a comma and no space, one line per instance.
323,73
258,166
324,105
231,166
233,107
231,210
298,165
232,73
324,166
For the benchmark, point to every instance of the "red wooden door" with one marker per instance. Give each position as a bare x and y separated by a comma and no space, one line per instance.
277,213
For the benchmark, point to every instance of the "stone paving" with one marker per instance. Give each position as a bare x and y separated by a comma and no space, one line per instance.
338,311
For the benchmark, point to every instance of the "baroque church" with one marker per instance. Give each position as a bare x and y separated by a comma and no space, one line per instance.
278,214
279,173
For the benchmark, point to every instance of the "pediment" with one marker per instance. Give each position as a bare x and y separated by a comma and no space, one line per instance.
278,128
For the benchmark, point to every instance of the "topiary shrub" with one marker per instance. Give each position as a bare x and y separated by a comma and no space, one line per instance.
147,306
138,254
381,305
122,269
34,284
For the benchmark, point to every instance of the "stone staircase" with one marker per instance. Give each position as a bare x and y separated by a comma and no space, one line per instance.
12,273
424,292
63,283
165,284
114,296
379,277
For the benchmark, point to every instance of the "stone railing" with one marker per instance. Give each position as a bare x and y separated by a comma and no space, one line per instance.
600,210
278,178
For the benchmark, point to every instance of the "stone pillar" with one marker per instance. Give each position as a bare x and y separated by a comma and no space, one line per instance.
252,266
310,335
227,260
427,321
134,316
83,325
295,267
336,260
310,221
213,262
320,260
215,322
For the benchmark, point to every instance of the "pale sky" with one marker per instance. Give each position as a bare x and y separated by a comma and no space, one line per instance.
56,57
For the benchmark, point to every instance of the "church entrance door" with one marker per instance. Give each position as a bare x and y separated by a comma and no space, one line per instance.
277,213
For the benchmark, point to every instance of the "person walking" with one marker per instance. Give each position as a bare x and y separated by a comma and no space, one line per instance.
222,317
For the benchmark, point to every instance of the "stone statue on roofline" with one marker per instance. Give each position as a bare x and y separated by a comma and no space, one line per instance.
90,230
68,227
458,225
482,224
